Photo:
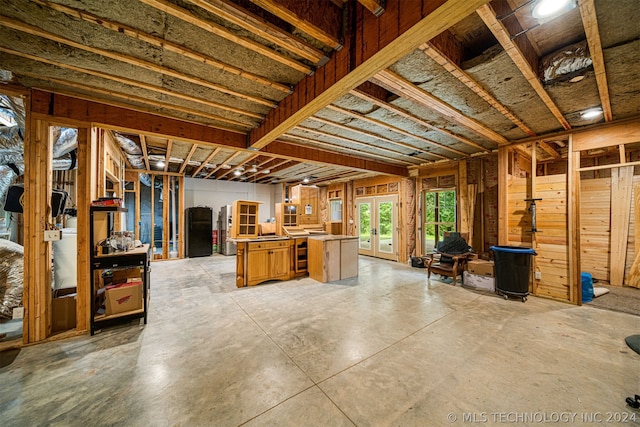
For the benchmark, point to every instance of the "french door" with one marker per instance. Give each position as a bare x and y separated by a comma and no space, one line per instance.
378,226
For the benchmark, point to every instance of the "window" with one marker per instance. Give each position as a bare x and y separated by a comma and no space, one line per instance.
439,216
336,210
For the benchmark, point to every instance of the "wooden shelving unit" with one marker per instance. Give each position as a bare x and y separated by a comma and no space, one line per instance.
286,216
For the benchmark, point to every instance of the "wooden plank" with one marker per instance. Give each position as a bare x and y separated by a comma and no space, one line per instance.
147,65
167,155
86,175
166,231
634,272
223,32
181,217
374,6
185,163
521,53
621,193
463,198
503,194
608,136
404,88
448,13
590,23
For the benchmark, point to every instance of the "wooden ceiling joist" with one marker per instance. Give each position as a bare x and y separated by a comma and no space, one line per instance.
320,19
260,27
185,163
404,88
221,31
434,53
397,130
351,141
388,38
590,23
226,162
144,101
240,164
407,115
413,148
162,43
143,146
35,31
519,50
374,6
207,160
139,84
549,149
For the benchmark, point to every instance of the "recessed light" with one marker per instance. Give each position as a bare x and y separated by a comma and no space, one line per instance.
591,113
237,172
306,180
160,164
545,9
577,79
225,166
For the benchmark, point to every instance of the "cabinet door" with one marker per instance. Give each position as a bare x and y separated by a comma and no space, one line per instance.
259,267
332,260
279,263
348,258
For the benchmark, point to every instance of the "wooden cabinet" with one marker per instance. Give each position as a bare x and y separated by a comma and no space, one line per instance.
332,258
299,252
307,198
257,262
244,219
286,216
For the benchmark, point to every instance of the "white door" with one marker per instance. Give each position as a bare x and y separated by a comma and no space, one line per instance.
377,226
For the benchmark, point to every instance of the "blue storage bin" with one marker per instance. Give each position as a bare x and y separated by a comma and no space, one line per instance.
587,287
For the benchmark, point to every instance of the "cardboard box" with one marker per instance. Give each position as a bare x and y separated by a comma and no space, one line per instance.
63,313
480,267
123,274
478,282
123,297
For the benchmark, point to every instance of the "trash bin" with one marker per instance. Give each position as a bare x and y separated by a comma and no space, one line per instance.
587,287
513,270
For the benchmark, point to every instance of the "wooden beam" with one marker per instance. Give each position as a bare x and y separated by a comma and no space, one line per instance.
203,164
226,162
549,149
590,23
305,153
262,28
145,154
434,53
403,113
84,185
607,136
134,83
185,163
573,232
167,155
404,88
128,97
350,141
374,6
368,134
397,130
223,32
520,51
503,195
320,19
621,195
162,43
66,107
30,29
397,35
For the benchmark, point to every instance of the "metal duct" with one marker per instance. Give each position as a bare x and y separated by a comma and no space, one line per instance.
65,143
127,145
66,162
134,155
566,62
14,106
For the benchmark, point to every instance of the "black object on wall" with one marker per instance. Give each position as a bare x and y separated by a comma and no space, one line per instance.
198,224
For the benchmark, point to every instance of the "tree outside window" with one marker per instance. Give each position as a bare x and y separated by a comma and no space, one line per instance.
439,216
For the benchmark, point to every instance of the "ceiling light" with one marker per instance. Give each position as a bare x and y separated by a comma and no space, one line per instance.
225,166
160,164
545,9
266,171
591,113
306,180
577,79
253,169
237,172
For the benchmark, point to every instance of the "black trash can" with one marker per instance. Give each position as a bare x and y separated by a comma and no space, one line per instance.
513,270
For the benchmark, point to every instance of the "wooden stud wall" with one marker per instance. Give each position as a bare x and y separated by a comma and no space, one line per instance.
595,235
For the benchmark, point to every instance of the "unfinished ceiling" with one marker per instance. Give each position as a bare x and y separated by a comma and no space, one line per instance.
233,65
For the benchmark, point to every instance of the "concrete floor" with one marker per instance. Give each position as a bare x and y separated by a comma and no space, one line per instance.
387,348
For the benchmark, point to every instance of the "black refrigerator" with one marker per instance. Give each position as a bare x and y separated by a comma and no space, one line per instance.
198,224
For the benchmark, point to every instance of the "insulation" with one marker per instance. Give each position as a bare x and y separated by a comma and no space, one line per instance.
11,277
7,177
66,142
15,108
134,155
565,62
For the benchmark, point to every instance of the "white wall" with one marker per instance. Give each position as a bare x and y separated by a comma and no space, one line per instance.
214,194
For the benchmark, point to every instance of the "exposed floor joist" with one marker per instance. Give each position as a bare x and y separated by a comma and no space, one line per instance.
207,160
185,163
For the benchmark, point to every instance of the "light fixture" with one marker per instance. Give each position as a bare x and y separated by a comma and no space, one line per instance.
577,79
237,172
305,180
591,113
225,166
546,9
266,171
254,169
160,164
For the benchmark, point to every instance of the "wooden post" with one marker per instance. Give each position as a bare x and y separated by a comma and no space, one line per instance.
573,219
503,195
463,197
181,217
534,171
166,231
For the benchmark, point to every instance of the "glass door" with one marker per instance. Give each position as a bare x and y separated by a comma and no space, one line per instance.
377,226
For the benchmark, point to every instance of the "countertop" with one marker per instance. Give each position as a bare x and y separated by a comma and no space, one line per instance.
333,237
